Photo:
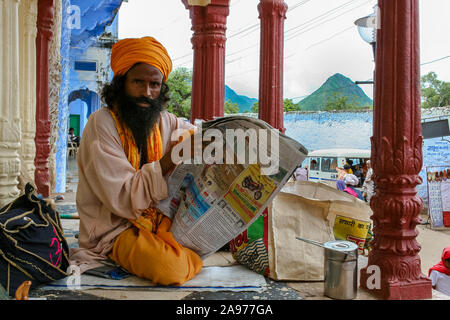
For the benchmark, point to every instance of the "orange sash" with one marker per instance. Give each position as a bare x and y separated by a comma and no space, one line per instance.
151,217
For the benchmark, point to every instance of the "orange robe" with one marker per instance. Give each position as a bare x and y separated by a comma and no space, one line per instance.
149,249
111,194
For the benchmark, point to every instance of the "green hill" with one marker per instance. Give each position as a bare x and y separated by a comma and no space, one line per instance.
336,88
244,103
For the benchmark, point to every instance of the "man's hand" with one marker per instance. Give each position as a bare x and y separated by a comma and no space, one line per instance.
166,162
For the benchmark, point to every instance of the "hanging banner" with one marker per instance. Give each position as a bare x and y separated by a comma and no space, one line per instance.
438,183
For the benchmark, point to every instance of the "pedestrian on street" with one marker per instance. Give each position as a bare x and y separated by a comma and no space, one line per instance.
440,273
369,184
301,174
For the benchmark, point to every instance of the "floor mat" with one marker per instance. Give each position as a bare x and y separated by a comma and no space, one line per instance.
233,278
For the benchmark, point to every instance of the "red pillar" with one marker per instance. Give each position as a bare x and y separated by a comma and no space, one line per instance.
397,157
44,35
272,14
208,40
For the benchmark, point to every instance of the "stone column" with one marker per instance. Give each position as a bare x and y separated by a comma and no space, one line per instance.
27,32
43,129
54,89
208,40
272,14
394,262
63,109
10,126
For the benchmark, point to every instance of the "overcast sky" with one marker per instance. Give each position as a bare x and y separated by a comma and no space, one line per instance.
320,40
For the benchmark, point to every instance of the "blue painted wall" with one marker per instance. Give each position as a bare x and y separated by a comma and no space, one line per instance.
79,107
63,107
323,130
83,22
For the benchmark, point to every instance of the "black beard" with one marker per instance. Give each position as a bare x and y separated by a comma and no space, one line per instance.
139,119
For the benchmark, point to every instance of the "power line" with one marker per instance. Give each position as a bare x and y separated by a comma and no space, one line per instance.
333,36
298,4
435,60
252,28
306,23
319,16
186,55
302,31
241,73
299,32
235,3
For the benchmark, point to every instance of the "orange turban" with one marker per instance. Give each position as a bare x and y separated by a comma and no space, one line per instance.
127,52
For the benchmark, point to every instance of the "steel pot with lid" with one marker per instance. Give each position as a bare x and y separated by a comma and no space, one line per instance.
341,269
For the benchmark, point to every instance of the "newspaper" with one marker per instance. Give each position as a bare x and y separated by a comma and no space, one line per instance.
220,190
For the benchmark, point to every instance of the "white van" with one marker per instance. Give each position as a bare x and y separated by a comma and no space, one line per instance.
322,163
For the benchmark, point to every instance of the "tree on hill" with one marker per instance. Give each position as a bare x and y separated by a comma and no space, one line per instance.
231,107
338,101
288,105
255,107
180,84
435,93
331,90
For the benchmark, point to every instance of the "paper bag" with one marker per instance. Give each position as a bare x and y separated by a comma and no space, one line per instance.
309,210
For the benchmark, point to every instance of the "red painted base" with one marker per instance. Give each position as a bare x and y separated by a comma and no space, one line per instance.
398,290
42,180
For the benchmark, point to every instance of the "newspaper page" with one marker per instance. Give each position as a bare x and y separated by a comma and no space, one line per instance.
221,190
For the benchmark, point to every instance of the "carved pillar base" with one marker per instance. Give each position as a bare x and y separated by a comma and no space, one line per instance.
401,278
394,270
272,14
208,79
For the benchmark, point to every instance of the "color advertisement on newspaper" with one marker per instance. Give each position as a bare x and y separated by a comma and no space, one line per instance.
211,202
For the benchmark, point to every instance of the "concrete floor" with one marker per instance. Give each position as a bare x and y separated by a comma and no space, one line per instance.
432,242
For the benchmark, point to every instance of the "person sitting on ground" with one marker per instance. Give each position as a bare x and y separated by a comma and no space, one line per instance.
301,174
351,181
73,138
123,162
440,273
342,172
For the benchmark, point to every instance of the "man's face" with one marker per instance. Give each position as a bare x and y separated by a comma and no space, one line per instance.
143,80
139,103
447,263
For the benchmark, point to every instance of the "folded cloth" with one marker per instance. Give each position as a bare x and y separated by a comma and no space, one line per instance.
351,179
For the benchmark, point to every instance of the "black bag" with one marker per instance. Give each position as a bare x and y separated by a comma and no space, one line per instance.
32,243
